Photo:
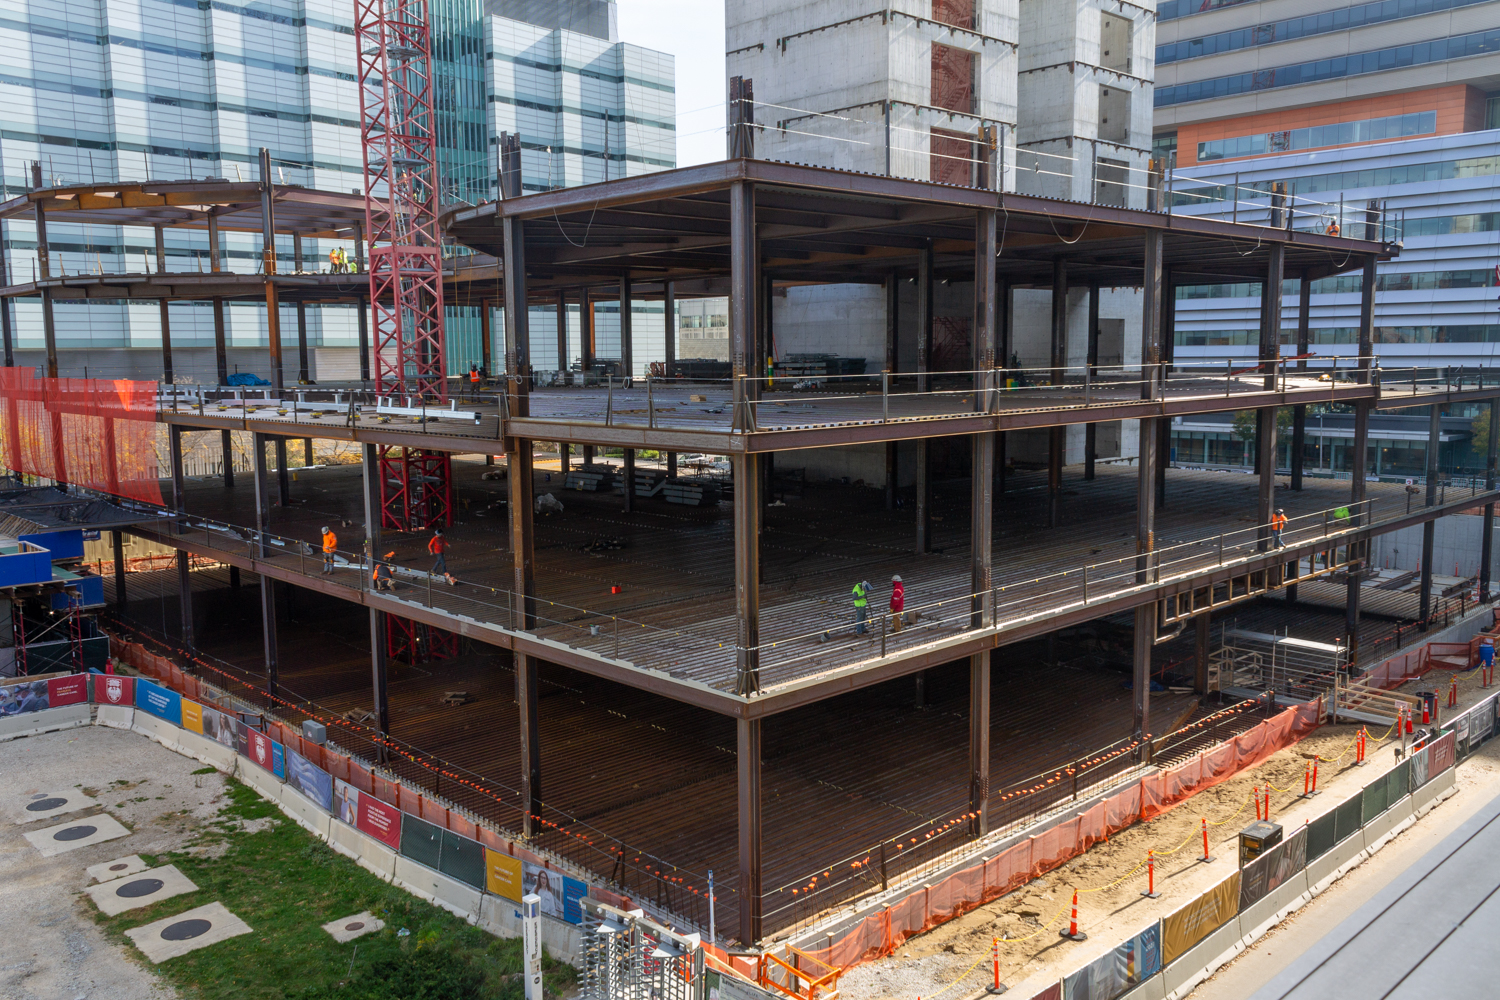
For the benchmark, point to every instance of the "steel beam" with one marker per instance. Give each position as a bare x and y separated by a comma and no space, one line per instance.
748,774
982,474
627,331
527,684
1367,318
1487,545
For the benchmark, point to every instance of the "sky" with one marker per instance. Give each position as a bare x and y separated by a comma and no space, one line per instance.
693,32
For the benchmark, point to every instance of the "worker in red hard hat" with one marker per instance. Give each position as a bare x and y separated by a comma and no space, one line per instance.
898,602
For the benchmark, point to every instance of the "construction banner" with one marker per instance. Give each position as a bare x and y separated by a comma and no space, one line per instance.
502,874
164,703
309,779
113,689
1441,753
1200,918
70,690
1117,971
192,716
97,433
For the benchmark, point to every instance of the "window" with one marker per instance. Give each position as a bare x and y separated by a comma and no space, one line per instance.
1114,41
1316,136
952,79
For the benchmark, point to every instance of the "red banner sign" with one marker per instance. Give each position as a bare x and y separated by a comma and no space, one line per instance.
112,689
71,690
380,821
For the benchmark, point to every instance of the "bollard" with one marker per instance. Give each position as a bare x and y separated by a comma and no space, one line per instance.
1453,692
1151,892
1255,796
1306,779
1315,778
1073,933
1206,858
997,988
1268,804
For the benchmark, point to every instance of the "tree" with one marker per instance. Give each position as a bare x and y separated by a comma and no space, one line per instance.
1244,422
1480,442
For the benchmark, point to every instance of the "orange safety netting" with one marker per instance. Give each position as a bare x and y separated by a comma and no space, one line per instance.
98,433
881,933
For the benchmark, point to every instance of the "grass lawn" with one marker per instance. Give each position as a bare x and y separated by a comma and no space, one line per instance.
285,883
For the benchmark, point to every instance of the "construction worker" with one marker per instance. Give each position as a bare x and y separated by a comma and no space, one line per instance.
380,579
1333,228
438,546
898,602
330,546
474,381
861,606
1278,525
333,261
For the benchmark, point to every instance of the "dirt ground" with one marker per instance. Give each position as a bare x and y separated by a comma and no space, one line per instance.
53,949
953,960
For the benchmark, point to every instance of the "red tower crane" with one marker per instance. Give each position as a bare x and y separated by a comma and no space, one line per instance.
399,136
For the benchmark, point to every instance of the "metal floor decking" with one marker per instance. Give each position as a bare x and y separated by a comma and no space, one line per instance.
673,565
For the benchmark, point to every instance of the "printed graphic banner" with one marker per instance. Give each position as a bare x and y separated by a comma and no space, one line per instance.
1266,873
573,892
70,690
502,875
221,728
192,716
1200,918
159,701
265,751
112,689
309,779
27,696
1118,971
546,884
381,821
346,801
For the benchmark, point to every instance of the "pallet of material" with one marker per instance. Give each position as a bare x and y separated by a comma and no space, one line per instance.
691,492
649,486
817,366
590,479
699,368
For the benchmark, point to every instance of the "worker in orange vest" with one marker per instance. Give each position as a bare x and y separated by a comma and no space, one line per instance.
330,546
380,577
1333,228
438,546
474,380
1278,525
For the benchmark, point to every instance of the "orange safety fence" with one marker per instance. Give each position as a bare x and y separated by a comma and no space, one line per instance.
98,433
882,932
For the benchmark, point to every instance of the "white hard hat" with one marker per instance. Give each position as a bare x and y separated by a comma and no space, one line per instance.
896,579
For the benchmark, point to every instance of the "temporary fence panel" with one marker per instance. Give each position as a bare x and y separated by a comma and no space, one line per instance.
1418,764
1118,970
1265,874
1348,817
1053,992
1200,918
1442,755
420,841
462,859
1373,801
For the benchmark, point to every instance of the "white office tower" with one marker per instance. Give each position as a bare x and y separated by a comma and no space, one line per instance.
902,90
1085,100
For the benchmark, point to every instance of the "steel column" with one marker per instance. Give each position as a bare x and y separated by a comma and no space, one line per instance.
1487,546
1366,318
262,492
1057,436
979,743
1356,501
1091,430
268,632
1168,313
304,373
924,316
226,446
747,521
627,330
1151,284
527,684
562,330
982,473
628,468
268,267
1429,528
1145,530
44,268
371,489
283,474
1265,469
221,342
118,541
585,329
519,460
363,309
1201,652
748,773
168,375
891,365
179,504
1299,413
379,654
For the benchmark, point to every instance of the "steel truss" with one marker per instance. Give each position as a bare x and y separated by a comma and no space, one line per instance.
399,136
413,642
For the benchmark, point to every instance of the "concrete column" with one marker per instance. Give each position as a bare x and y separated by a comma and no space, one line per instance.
1299,413
1091,430
117,538
979,743
1429,527
226,446
1356,501
167,374
527,684
748,775
380,697
1487,547
268,632
221,341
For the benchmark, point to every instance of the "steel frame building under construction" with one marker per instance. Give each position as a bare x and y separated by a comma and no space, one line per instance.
726,627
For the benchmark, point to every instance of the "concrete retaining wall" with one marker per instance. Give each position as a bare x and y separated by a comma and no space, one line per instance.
210,752
49,720
258,778
115,716
452,895
1379,831
307,815
502,918
1328,869
1202,960
1430,794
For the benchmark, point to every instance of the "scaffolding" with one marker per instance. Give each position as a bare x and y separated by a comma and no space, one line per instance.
398,134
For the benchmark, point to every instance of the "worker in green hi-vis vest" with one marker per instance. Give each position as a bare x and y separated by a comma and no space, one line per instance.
861,606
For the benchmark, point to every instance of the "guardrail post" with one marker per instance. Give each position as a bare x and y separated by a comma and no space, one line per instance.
609,399
885,397
650,403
